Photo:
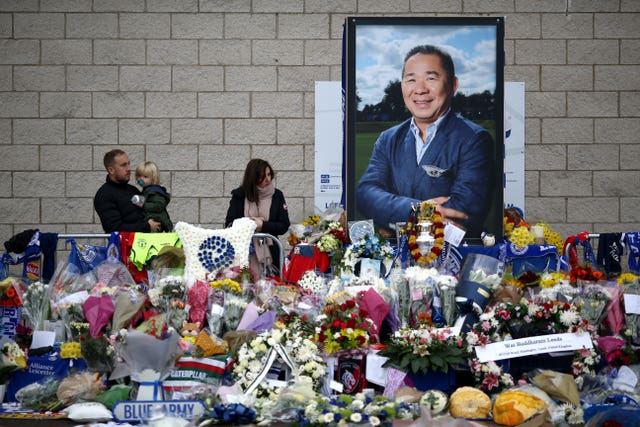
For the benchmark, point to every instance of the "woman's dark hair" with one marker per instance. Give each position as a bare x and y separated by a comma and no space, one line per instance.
253,175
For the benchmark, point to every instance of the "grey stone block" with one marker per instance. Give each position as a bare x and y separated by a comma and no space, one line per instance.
196,26
196,131
92,131
145,78
278,52
65,5
198,78
119,6
119,51
16,158
249,131
197,184
225,5
592,104
20,210
278,6
301,78
224,157
145,25
172,5
18,104
225,52
455,6
19,51
38,132
593,157
614,183
65,157
39,184
590,209
67,209
617,77
224,104
295,131
144,131
171,105
331,6
92,77
250,79
170,158
616,26
38,25
563,26
323,52
567,78
564,183
39,78
276,104
67,52
593,51
169,52
118,104
546,157
314,26
91,25
567,131
65,104
250,26
532,52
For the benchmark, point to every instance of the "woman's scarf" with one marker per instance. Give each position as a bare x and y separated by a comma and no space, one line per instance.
263,206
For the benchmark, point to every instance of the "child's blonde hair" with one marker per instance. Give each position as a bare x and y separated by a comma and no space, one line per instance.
148,169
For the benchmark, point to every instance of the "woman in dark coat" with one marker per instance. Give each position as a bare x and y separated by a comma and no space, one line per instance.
258,198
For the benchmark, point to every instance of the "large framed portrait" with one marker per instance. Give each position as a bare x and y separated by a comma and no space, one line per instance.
375,51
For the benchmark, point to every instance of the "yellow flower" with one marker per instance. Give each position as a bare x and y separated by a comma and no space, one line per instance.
627,278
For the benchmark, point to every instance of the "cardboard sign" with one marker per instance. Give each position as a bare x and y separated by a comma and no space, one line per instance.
631,304
533,345
141,410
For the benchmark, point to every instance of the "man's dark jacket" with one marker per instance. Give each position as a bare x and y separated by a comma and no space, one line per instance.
117,212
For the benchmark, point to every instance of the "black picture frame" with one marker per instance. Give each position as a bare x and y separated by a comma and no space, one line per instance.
374,47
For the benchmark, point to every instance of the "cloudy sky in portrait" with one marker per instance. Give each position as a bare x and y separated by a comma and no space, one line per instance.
380,51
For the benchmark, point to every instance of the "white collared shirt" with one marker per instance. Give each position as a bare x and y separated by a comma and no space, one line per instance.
421,147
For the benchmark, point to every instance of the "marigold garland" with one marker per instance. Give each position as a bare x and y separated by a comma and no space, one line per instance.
438,235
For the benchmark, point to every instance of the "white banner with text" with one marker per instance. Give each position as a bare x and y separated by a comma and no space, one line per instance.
533,345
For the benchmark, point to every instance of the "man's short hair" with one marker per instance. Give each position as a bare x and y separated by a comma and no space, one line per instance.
427,49
110,157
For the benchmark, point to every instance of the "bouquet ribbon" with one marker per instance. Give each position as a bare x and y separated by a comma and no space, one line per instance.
157,388
271,357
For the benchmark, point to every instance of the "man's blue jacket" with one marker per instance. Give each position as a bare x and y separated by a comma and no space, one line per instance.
458,163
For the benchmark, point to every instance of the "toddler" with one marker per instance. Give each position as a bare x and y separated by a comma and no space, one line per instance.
156,197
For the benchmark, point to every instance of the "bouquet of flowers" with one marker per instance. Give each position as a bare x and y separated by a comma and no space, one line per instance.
344,409
9,292
592,303
169,296
343,325
313,283
228,305
425,350
145,357
12,358
373,247
36,304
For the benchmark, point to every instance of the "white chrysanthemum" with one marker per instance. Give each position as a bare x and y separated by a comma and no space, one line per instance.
532,309
568,317
328,417
357,404
356,417
374,421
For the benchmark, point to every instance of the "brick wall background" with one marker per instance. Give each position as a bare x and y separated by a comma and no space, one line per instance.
202,86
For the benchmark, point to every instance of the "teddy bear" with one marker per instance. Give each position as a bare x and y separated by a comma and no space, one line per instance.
190,331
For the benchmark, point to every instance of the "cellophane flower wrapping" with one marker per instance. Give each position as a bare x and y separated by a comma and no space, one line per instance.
592,301
198,298
632,320
98,312
12,358
36,304
40,396
168,295
139,351
215,312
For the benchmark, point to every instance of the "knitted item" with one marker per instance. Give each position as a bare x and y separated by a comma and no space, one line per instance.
207,251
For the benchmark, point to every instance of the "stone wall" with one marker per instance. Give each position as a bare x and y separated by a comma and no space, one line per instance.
200,87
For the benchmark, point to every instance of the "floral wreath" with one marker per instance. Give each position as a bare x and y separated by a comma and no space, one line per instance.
253,355
438,234
543,316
